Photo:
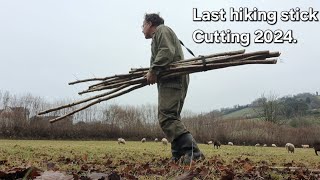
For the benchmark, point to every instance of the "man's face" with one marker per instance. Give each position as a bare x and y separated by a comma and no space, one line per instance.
146,30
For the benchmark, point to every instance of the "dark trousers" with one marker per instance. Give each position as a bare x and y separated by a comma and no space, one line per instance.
171,95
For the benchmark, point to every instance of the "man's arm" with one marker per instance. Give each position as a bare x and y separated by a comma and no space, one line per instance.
164,56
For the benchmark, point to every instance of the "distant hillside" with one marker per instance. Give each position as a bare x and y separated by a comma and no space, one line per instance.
291,106
246,113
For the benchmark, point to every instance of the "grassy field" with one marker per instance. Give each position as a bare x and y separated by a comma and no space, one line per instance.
241,113
150,160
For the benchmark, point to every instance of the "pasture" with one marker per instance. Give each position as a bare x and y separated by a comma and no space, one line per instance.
150,160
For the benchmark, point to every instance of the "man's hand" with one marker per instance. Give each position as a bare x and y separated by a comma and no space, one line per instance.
151,77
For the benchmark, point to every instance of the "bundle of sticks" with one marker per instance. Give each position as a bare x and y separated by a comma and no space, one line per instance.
118,85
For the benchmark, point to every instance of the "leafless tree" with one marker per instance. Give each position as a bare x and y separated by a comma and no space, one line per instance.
269,109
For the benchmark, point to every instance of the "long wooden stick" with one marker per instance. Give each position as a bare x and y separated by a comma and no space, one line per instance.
231,58
136,81
200,68
98,101
86,80
104,83
196,58
84,100
114,77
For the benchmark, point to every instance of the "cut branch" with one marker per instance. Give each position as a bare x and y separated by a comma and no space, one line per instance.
84,100
98,101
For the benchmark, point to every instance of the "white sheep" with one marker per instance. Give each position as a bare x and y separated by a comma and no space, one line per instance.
305,146
290,147
164,141
143,140
286,146
156,140
121,141
257,145
230,143
273,145
265,145
209,142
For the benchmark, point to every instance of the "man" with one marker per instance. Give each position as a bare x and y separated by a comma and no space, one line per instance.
166,49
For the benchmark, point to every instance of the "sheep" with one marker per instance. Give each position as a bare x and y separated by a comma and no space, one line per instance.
143,140
164,141
156,140
209,142
273,145
287,145
216,144
305,146
230,143
290,147
121,141
316,147
257,145
265,145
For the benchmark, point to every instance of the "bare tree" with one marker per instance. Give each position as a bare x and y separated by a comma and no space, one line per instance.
269,109
6,99
0,98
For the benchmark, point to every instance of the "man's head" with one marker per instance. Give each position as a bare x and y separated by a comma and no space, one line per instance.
150,23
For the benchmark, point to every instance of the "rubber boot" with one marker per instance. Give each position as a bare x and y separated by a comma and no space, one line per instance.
175,151
185,146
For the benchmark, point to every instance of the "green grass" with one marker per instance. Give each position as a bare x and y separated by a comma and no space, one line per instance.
70,156
241,113
39,152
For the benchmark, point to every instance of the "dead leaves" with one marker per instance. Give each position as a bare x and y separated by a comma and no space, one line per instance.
187,175
16,173
37,174
115,169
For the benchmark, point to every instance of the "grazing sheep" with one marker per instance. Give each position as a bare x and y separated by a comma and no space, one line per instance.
164,141
273,145
156,140
265,145
305,146
257,145
290,147
287,145
230,143
121,141
316,147
209,142
216,144
143,140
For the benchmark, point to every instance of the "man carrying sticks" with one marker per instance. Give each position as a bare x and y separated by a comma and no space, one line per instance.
166,49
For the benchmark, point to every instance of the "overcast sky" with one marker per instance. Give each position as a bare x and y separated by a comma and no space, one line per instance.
46,44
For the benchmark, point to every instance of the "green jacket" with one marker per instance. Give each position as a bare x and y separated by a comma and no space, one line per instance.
165,48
